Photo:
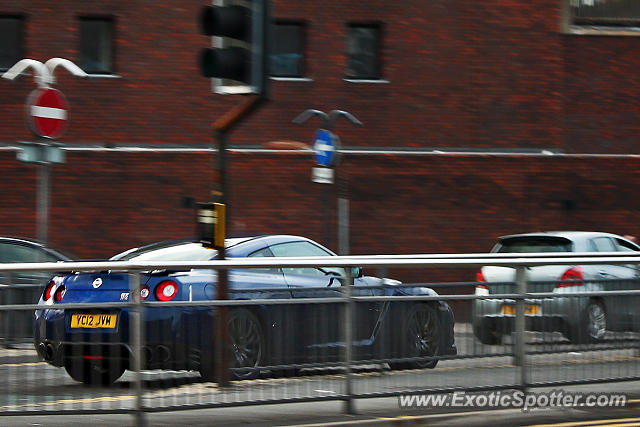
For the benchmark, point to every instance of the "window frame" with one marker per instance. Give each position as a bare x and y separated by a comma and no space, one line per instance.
306,271
21,48
594,244
625,246
111,20
378,74
303,27
582,25
262,253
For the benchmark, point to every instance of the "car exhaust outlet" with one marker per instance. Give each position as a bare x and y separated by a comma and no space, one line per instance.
42,350
147,354
163,353
49,352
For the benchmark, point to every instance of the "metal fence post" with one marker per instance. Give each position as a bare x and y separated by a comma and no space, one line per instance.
348,340
520,350
135,331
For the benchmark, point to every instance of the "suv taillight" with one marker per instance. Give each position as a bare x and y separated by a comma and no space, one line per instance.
574,273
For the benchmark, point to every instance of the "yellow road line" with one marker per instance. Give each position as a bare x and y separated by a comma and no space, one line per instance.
607,422
14,365
70,401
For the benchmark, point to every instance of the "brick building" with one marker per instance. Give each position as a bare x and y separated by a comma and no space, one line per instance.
480,119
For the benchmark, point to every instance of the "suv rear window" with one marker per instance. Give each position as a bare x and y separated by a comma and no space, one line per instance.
533,244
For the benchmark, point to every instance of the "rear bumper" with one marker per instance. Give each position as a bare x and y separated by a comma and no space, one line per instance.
506,324
164,347
553,314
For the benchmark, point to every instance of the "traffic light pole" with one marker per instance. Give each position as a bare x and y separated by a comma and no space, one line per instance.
222,315
221,126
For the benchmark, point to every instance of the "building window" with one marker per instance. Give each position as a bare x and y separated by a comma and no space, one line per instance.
96,45
286,58
622,13
363,51
11,41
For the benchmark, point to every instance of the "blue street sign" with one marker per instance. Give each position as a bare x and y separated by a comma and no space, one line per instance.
324,147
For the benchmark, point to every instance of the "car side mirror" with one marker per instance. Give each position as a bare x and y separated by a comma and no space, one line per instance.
356,272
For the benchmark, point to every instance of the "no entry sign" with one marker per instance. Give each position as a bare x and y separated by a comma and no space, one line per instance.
47,112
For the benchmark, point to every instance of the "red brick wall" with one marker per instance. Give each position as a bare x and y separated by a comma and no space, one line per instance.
438,203
103,203
602,91
106,201
490,75
496,74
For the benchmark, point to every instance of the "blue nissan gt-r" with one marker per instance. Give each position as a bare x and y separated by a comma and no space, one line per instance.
93,345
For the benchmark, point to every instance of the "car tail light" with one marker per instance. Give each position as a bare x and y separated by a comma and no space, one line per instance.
481,289
574,273
57,297
166,290
48,291
144,292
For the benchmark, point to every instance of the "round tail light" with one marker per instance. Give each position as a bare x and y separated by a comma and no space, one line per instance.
166,290
57,297
144,292
48,291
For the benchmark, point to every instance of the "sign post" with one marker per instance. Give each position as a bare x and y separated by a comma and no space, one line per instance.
47,112
324,151
47,117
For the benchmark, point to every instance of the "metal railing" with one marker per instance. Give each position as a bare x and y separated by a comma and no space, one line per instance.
518,363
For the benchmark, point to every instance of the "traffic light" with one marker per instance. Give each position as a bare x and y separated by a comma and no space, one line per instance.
241,54
211,224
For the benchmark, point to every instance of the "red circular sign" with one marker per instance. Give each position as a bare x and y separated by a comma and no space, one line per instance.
47,112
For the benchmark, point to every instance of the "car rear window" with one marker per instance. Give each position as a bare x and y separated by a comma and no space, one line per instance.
534,244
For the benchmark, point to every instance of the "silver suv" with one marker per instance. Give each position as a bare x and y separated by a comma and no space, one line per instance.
581,319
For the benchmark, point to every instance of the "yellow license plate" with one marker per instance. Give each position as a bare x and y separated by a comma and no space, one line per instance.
528,309
94,321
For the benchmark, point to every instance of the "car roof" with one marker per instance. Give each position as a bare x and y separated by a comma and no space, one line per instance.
35,243
230,243
571,235
20,241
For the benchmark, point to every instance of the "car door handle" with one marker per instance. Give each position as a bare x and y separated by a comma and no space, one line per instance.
603,273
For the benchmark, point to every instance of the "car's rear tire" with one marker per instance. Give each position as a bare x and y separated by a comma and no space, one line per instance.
421,337
247,347
94,372
485,334
592,328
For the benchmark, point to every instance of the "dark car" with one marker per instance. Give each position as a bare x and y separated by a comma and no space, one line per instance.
22,250
93,344
22,287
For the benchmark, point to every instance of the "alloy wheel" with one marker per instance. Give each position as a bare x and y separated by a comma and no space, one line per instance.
596,321
246,340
